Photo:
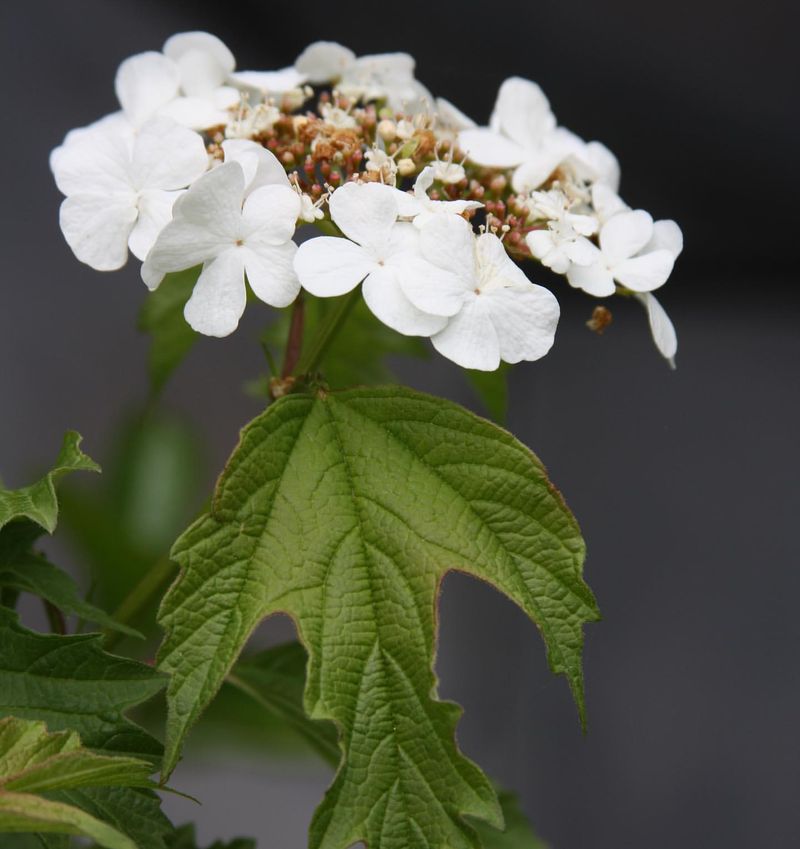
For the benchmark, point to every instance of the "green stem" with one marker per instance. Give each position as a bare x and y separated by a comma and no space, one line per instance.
55,618
326,333
294,342
151,582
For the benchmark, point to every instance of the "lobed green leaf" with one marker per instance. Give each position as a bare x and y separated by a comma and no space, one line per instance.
38,502
345,511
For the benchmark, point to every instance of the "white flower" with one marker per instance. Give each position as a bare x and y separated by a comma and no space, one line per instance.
261,167
378,251
339,118
564,241
233,233
495,312
187,82
324,61
380,76
420,207
120,188
379,162
626,255
522,134
270,83
451,118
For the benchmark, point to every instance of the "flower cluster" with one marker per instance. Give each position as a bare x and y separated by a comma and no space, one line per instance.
208,166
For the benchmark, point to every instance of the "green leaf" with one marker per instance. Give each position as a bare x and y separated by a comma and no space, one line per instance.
184,838
25,571
33,761
275,679
38,502
345,511
492,390
518,833
162,317
70,683
134,812
26,812
355,357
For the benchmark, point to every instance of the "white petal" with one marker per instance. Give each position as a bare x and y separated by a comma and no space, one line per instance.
431,289
144,83
206,221
261,167
667,235
448,241
155,212
540,242
486,147
219,296
451,116
595,163
152,277
270,82
581,251
625,234
594,279
225,97
586,225
197,113
525,320
203,60
97,227
365,213
384,296
470,339
660,326
536,168
167,156
94,160
606,202
271,274
214,202
324,61
646,272
522,112
329,266
269,216
495,267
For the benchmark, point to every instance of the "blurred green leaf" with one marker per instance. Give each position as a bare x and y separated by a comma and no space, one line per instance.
491,388
127,520
162,317
34,762
275,679
184,838
71,684
38,502
357,355
518,833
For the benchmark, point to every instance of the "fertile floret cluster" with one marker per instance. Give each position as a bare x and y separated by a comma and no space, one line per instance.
430,213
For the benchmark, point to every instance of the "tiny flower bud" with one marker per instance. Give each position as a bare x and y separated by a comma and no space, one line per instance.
387,130
406,167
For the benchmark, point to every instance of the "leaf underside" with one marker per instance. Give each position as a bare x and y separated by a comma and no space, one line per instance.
345,511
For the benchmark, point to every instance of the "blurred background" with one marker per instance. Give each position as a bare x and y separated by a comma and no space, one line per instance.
685,482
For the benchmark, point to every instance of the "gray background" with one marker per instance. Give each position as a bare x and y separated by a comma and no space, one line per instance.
685,483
